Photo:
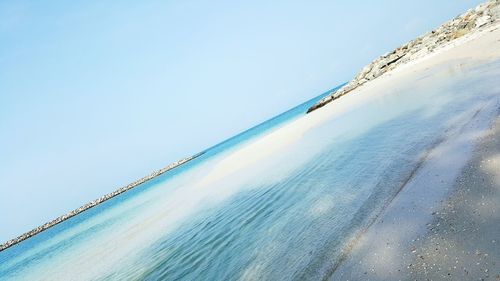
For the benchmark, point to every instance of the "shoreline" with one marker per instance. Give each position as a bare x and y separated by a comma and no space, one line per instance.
95,202
461,241
385,247
456,31
295,130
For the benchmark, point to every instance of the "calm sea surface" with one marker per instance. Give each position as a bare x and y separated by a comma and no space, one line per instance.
283,213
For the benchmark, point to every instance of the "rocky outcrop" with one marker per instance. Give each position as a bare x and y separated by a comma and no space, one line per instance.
476,19
95,203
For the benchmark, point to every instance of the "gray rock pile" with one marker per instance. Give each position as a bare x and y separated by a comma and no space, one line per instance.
94,203
475,19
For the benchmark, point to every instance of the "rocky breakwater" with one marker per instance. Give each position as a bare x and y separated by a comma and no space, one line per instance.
95,202
476,19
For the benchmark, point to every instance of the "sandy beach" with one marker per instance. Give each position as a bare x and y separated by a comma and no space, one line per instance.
444,223
394,175
461,242
434,230
389,246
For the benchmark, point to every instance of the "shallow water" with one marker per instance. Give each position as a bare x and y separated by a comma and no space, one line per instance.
281,214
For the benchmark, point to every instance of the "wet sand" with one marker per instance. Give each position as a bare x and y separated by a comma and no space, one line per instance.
395,245
462,242
445,222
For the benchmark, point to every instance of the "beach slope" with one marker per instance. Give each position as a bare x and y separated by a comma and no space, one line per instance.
443,224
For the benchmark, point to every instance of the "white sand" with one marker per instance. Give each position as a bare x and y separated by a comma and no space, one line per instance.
416,199
377,255
385,251
381,253
484,46
462,240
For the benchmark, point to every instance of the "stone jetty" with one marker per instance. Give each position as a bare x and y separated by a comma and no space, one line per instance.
95,202
476,19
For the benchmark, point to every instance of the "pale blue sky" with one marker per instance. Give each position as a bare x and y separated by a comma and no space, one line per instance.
95,94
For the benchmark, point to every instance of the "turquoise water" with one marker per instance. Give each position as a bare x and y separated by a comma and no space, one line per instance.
259,207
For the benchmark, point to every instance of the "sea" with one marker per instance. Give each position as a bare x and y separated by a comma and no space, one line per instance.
280,201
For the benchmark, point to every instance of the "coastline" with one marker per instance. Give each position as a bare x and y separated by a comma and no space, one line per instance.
257,149
456,31
447,158
462,240
95,202
387,247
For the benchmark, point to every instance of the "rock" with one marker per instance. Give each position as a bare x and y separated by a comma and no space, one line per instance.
483,21
365,70
362,81
471,20
94,203
480,9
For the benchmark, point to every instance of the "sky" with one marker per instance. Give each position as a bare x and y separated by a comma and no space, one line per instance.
96,94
